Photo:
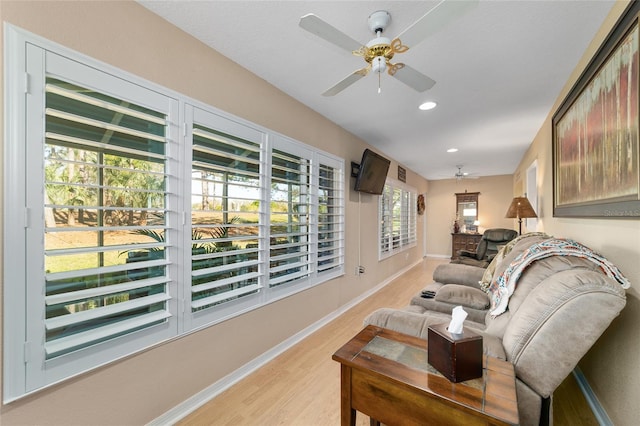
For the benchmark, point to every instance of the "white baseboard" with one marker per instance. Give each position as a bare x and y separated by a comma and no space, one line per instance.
196,401
598,411
439,256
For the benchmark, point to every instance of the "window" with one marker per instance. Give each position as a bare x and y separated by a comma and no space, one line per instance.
132,202
397,212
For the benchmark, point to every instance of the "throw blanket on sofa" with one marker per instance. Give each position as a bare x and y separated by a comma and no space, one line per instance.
502,288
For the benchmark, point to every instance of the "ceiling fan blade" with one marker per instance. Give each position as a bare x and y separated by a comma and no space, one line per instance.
346,82
320,28
434,20
412,78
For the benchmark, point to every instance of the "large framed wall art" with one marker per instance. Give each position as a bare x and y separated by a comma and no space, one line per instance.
596,155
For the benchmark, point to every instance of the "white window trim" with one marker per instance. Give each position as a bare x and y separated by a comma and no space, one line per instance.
17,352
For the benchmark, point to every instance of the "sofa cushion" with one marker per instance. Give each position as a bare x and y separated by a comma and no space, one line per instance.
463,295
455,273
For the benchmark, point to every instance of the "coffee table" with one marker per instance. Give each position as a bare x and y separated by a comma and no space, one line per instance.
385,375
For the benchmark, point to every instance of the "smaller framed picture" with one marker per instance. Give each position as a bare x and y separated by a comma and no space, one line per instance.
402,174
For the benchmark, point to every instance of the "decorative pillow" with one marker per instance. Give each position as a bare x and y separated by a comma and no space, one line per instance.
485,282
463,295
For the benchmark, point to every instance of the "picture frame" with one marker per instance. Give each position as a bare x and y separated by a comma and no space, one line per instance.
595,131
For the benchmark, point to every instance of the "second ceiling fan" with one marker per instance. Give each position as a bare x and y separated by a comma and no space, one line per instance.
379,51
463,175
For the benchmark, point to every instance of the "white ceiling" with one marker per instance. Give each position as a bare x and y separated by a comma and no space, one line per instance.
498,70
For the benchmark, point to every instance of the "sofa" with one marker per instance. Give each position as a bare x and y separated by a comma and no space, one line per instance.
541,304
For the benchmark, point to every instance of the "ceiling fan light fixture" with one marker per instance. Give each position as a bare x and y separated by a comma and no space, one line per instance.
426,106
379,64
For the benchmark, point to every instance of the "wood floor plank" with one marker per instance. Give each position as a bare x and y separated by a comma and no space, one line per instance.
301,386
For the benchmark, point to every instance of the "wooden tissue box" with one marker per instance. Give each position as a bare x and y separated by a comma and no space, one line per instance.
457,356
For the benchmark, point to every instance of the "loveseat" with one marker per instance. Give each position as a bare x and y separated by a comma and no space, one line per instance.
541,304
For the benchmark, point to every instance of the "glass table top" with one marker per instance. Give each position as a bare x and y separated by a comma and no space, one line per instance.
410,356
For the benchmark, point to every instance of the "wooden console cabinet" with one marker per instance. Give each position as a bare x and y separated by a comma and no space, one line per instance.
461,241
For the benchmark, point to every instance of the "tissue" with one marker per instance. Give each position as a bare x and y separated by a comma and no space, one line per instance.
458,316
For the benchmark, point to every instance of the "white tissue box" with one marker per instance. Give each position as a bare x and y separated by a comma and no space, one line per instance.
458,357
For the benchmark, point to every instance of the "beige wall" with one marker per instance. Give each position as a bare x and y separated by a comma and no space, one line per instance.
611,365
143,387
493,202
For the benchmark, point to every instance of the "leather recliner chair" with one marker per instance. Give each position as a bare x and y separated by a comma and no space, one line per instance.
487,247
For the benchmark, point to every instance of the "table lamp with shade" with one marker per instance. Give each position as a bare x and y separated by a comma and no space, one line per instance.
520,208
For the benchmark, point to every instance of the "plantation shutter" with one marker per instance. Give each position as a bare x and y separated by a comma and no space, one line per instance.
330,218
290,218
385,220
412,219
105,217
397,216
226,194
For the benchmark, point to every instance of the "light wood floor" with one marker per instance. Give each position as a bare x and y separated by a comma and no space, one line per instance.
302,386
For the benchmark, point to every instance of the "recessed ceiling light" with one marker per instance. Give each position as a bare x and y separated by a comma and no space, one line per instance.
452,150
428,105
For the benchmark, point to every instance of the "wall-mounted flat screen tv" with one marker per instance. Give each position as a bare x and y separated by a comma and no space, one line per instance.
372,173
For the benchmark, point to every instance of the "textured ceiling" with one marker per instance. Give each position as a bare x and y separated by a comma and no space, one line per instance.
498,70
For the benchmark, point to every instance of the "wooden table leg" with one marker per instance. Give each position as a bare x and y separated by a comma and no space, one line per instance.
347,414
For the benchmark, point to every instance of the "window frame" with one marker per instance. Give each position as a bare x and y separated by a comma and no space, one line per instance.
22,357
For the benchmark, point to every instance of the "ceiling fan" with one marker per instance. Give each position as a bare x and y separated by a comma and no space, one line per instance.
463,175
379,51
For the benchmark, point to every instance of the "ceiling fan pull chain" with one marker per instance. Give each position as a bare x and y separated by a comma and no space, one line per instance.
379,89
